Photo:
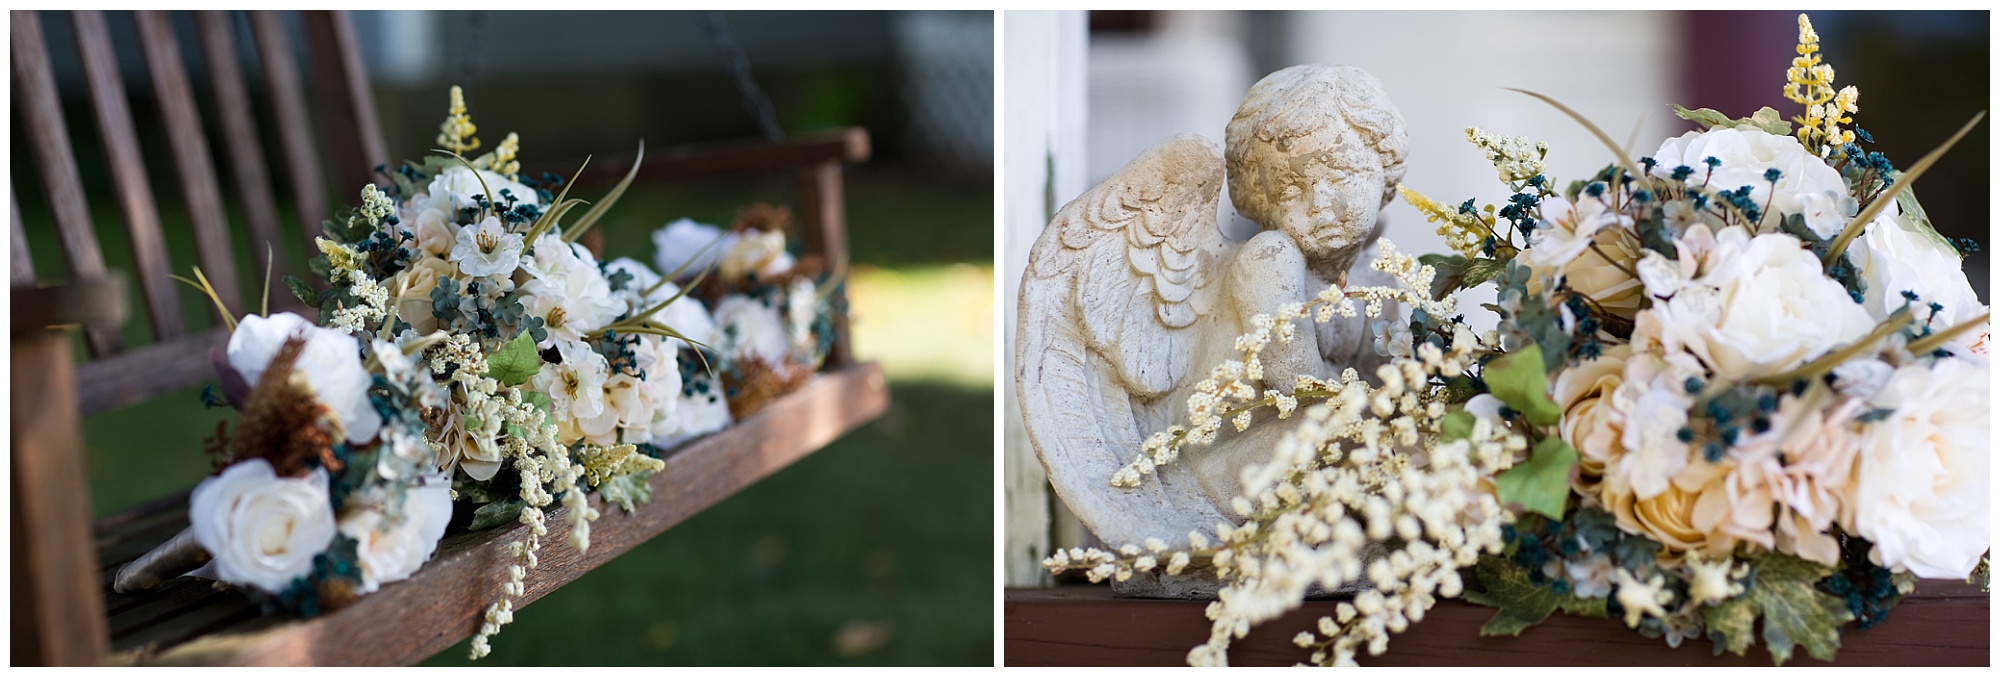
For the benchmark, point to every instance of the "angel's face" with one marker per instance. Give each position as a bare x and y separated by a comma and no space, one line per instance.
1329,202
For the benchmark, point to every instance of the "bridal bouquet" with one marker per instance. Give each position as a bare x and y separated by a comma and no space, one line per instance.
1739,381
471,358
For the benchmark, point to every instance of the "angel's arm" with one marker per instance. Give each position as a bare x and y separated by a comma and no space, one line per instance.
1269,271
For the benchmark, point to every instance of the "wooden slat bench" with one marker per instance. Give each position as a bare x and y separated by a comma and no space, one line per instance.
64,611
1944,623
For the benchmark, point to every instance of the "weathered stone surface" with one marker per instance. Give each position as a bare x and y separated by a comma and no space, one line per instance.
1132,295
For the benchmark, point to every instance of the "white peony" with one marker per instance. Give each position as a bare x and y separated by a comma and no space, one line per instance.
752,329
486,248
263,530
392,550
1808,186
458,183
1761,305
682,241
1894,258
330,362
1922,484
567,290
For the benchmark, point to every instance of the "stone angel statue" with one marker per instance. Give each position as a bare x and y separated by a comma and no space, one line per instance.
1132,294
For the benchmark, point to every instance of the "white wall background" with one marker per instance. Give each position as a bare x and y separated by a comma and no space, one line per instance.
1444,70
1044,70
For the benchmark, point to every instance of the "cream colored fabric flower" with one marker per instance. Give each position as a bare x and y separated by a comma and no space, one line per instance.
410,290
392,550
1746,154
1922,485
1589,423
263,530
1760,306
330,362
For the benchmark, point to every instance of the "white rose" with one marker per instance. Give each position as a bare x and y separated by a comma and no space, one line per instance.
392,551
330,361
1921,487
1894,257
752,329
682,241
263,530
460,185
432,221
1760,306
703,410
1808,186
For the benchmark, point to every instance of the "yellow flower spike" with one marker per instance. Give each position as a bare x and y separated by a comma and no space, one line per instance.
1810,82
456,134
504,154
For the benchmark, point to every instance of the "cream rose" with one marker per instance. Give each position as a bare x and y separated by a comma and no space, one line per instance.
689,247
756,251
432,221
1761,305
330,362
1807,185
1605,274
1589,423
1921,486
411,291
263,530
392,550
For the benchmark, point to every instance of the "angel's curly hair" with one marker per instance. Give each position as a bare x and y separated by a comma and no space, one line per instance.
1286,105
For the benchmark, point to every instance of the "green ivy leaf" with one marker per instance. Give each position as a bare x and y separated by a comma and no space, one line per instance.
495,514
1456,425
1913,213
1450,273
1481,271
624,489
1795,613
514,363
1765,119
1520,382
1542,484
474,491
1521,603
302,291
1708,118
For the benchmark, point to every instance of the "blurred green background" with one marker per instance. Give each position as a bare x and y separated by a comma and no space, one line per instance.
876,550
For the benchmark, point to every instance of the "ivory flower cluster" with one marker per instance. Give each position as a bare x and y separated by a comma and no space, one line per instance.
475,351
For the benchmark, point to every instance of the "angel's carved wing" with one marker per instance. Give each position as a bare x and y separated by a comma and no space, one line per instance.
1115,287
